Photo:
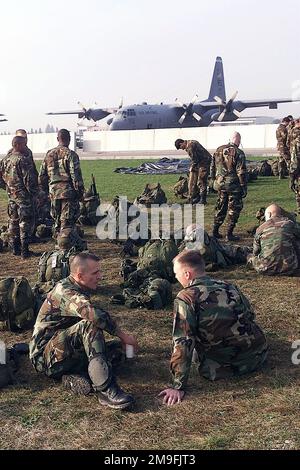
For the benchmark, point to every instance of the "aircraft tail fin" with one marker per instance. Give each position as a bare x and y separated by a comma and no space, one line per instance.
217,87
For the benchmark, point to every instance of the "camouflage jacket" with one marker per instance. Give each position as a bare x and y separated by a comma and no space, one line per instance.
60,174
295,152
199,155
29,155
275,246
281,136
18,177
228,167
289,139
217,319
64,306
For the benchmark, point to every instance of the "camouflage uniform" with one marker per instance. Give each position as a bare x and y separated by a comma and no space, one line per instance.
216,254
289,139
29,155
284,153
43,208
295,165
60,174
199,170
276,247
216,319
20,179
68,332
228,170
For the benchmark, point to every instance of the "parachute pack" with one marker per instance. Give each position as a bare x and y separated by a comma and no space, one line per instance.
152,194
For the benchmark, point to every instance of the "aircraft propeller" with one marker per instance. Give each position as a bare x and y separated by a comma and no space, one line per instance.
85,111
188,110
227,106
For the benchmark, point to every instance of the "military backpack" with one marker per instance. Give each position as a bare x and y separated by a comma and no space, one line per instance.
152,194
157,256
55,265
16,304
181,188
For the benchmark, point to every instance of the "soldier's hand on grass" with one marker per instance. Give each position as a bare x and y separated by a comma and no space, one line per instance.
172,396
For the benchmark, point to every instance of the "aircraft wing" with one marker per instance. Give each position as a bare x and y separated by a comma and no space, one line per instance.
80,111
260,103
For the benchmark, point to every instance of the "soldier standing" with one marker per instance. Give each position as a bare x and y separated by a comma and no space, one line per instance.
68,340
216,319
199,169
295,163
282,146
23,133
60,175
20,179
228,170
290,128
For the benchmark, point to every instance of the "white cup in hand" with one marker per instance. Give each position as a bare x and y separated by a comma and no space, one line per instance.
129,351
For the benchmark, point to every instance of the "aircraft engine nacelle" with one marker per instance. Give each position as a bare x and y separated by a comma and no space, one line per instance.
227,117
96,114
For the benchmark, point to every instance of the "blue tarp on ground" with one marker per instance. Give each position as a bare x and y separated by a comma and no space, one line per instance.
163,166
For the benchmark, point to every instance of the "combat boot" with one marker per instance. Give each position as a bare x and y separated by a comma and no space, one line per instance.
77,384
195,200
25,252
114,397
203,199
215,232
230,237
16,248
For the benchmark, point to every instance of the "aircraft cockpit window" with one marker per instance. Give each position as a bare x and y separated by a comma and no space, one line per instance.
131,112
124,114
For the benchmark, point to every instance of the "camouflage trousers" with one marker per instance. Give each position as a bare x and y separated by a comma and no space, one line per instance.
65,213
297,192
21,220
71,350
228,202
198,182
284,162
271,267
231,361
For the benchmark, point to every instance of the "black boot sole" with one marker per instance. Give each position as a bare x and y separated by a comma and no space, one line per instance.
121,406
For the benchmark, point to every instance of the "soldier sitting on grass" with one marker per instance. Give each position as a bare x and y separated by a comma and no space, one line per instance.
68,339
216,319
276,246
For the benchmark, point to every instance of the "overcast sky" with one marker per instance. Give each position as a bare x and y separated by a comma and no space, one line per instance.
55,53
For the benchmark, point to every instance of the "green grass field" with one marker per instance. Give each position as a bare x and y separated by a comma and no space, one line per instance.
260,411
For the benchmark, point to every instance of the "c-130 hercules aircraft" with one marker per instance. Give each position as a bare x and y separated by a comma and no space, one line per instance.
177,115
